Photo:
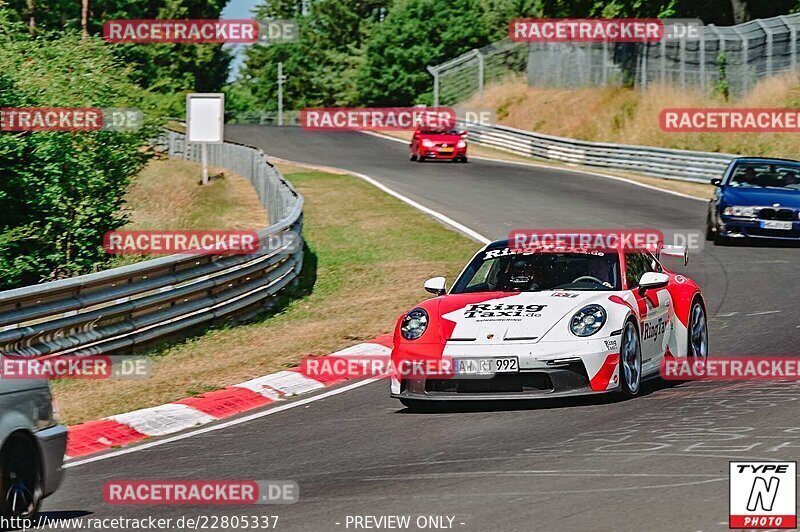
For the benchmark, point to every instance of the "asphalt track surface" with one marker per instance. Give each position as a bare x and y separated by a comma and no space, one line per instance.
658,462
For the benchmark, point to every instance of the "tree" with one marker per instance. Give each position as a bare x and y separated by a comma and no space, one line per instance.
321,66
60,191
417,33
167,69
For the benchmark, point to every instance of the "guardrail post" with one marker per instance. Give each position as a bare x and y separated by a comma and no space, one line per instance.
768,33
701,51
605,63
643,67
792,41
435,74
663,61
481,71
721,49
682,45
745,59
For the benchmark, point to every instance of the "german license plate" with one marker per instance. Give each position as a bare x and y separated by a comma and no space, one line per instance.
485,366
776,224
445,150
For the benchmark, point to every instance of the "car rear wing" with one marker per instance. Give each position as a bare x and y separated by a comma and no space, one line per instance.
674,251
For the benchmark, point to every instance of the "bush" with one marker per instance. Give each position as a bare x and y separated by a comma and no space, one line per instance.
61,191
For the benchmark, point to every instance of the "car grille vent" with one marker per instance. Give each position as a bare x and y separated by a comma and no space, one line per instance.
768,213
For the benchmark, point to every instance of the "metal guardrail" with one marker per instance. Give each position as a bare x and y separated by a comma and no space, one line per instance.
682,165
122,308
728,59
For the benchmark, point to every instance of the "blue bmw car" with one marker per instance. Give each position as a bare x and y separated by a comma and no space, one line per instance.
756,198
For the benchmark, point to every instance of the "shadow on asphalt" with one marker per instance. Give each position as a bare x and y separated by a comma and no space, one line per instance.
499,405
758,243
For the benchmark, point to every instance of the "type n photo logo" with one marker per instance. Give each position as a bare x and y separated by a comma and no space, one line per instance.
763,495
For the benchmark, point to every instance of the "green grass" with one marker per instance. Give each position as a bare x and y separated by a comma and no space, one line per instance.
367,257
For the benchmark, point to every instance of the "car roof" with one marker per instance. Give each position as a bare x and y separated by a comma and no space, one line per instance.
765,160
501,244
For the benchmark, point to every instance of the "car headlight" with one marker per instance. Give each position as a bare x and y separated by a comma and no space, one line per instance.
588,320
461,144
737,210
414,324
428,143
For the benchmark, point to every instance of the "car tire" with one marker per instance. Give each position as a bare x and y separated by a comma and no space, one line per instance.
412,157
463,160
697,331
421,159
720,240
630,361
710,233
21,482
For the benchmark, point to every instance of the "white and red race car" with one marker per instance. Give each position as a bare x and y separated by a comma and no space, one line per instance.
525,324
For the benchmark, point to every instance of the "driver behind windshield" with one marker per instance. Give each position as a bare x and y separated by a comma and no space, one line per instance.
532,272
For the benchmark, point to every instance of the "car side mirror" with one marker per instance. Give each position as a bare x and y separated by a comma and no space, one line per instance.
436,285
653,280
716,182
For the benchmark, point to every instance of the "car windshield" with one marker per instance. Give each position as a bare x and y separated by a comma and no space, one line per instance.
509,270
439,132
763,175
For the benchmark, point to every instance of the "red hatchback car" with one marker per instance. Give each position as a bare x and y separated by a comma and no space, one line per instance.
429,143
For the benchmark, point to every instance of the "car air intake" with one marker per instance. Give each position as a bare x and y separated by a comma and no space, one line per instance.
768,213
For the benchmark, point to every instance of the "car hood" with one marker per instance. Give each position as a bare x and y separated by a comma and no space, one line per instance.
528,316
761,197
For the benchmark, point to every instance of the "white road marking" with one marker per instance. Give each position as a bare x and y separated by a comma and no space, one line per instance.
556,473
761,313
221,426
726,315
553,167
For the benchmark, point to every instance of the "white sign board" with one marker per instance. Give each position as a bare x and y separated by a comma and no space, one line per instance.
205,118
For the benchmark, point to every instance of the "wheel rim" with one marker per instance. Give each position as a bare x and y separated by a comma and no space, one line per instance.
631,361
20,500
20,480
698,333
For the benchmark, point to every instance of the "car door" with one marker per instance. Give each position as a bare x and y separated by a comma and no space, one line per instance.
654,310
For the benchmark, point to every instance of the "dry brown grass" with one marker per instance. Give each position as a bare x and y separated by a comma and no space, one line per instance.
372,255
627,116
166,195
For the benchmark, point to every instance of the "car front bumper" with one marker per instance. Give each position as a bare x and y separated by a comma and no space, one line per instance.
435,153
52,445
752,228
547,369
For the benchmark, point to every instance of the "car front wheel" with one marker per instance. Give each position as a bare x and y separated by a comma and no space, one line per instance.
698,332
20,477
630,361
709,229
